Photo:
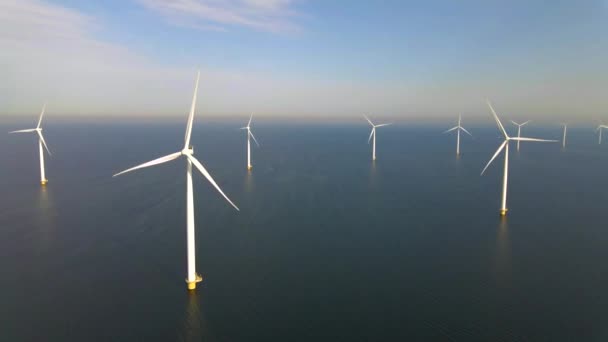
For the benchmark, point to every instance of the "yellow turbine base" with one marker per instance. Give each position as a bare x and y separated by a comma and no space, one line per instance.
503,212
249,167
192,284
43,182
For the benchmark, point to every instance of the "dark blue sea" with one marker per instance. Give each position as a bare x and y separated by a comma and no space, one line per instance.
328,245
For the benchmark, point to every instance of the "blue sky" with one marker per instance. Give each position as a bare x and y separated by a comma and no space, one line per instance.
305,58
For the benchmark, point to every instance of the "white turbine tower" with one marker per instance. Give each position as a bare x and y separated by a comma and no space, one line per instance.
249,135
187,152
505,146
564,136
373,134
41,143
599,128
519,126
458,129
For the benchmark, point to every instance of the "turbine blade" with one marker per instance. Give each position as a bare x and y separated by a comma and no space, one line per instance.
191,116
368,120
41,115
370,135
202,169
459,119
532,139
157,161
24,131
386,124
515,123
451,129
523,124
256,142
500,126
467,132
249,123
244,128
495,154
43,142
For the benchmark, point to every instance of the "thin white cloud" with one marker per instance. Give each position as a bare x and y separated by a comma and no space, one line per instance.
263,15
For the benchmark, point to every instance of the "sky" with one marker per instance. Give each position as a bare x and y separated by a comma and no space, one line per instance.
315,59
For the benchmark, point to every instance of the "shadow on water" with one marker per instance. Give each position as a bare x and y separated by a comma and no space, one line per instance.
503,254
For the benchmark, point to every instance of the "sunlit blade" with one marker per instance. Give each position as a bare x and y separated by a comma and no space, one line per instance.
368,120
191,116
202,169
256,142
24,130
244,128
459,118
41,115
532,139
152,162
467,132
502,129
249,123
387,124
495,154
43,142
451,129
370,135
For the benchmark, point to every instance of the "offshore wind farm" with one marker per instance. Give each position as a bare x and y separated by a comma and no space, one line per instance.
495,242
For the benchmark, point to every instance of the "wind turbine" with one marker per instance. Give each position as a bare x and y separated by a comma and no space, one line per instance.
458,129
599,128
373,133
564,137
249,135
41,143
187,152
519,126
505,146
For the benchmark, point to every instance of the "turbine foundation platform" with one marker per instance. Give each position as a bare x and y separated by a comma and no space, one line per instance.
192,284
503,212
43,182
249,167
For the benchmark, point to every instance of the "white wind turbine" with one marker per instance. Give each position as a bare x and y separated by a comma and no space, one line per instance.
249,135
187,152
564,136
41,143
599,128
458,129
519,126
373,134
505,146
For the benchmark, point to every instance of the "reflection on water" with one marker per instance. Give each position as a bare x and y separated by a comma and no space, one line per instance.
503,253
45,218
372,174
249,185
194,326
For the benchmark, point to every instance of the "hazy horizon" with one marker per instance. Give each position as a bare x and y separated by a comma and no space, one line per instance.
302,59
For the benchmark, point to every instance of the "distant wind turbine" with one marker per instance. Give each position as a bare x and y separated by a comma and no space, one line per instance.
458,129
187,152
564,136
599,128
249,135
373,134
505,146
519,126
41,143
